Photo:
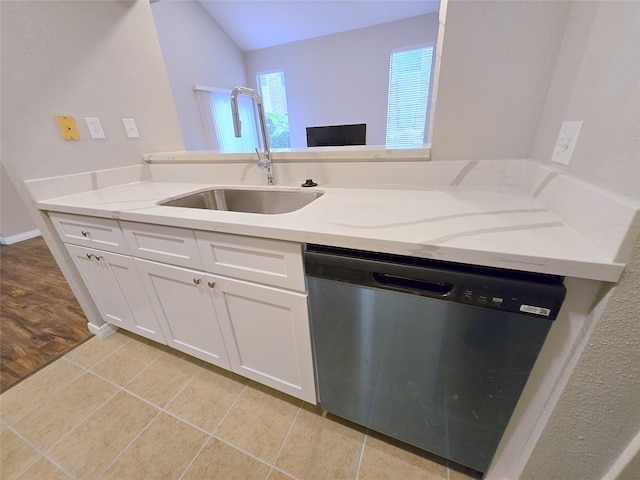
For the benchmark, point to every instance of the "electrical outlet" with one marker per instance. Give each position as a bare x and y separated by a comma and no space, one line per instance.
95,128
566,142
130,127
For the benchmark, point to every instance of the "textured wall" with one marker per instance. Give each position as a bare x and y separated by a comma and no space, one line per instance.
85,59
598,413
497,63
14,216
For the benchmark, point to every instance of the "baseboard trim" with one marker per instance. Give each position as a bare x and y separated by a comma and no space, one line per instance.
103,331
19,237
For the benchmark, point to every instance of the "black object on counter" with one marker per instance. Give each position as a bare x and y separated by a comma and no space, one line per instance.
309,183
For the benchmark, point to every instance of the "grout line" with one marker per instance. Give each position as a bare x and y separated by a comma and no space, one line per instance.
286,437
128,445
215,429
364,443
207,440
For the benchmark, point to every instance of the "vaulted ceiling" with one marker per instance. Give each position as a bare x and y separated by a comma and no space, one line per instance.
255,24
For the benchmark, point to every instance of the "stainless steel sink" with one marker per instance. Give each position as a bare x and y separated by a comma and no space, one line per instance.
245,200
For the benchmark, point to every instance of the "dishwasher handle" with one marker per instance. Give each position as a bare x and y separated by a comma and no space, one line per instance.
413,285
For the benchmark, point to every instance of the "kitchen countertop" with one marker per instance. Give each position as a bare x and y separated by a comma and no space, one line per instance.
492,226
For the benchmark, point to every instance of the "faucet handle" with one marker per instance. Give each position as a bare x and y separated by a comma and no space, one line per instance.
262,162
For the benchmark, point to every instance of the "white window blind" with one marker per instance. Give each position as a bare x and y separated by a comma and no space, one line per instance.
409,87
272,89
215,113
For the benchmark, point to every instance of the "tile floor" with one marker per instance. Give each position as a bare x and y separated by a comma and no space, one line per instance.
125,408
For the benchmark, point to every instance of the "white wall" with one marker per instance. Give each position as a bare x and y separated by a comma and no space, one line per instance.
596,80
15,222
82,59
85,59
342,78
497,63
196,51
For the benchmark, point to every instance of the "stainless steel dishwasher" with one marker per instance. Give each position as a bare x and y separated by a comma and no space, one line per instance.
434,354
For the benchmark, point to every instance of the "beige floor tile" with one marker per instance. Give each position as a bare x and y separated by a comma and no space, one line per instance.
96,349
95,443
65,410
43,469
320,448
207,397
127,361
26,396
387,459
163,451
259,421
16,455
278,475
160,382
219,460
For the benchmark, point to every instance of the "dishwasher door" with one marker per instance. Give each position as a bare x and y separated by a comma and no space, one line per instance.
421,367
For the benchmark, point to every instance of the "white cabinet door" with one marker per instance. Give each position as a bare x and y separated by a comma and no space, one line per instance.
267,335
116,288
183,303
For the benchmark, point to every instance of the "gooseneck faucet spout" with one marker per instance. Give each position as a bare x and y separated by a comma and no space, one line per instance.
237,127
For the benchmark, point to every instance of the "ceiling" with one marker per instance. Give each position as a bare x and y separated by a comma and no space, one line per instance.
255,24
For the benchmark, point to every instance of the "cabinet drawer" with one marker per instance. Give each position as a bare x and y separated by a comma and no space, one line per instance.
173,245
103,233
273,262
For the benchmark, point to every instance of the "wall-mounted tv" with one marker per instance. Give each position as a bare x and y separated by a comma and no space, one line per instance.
335,135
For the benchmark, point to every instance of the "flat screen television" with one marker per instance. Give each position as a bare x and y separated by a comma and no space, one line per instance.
334,135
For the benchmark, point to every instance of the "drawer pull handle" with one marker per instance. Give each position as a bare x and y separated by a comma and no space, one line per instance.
98,257
89,256
196,281
211,284
85,233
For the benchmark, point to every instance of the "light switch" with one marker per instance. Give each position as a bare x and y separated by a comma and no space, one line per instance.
68,128
95,127
130,127
566,142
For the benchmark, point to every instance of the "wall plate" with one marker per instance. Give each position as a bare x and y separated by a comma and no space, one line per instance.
566,142
68,127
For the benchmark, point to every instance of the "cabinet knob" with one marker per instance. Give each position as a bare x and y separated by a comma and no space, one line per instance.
196,281
85,233
89,256
98,257
211,284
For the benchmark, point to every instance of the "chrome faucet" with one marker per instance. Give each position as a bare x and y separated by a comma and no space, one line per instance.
237,127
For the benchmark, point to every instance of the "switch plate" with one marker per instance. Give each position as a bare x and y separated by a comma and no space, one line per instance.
95,128
68,127
130,127
566,142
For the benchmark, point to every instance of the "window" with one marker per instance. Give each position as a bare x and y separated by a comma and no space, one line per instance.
214,106
409,87
223,121
274,98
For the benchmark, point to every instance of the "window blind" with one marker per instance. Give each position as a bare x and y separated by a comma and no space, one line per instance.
409,86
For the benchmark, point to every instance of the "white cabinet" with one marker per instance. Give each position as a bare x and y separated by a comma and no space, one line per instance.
114,284
234,301
183,304
267,335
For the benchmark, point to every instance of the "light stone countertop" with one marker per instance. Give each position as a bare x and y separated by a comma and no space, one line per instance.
491,226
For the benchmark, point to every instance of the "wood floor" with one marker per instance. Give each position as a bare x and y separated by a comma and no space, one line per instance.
40,318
